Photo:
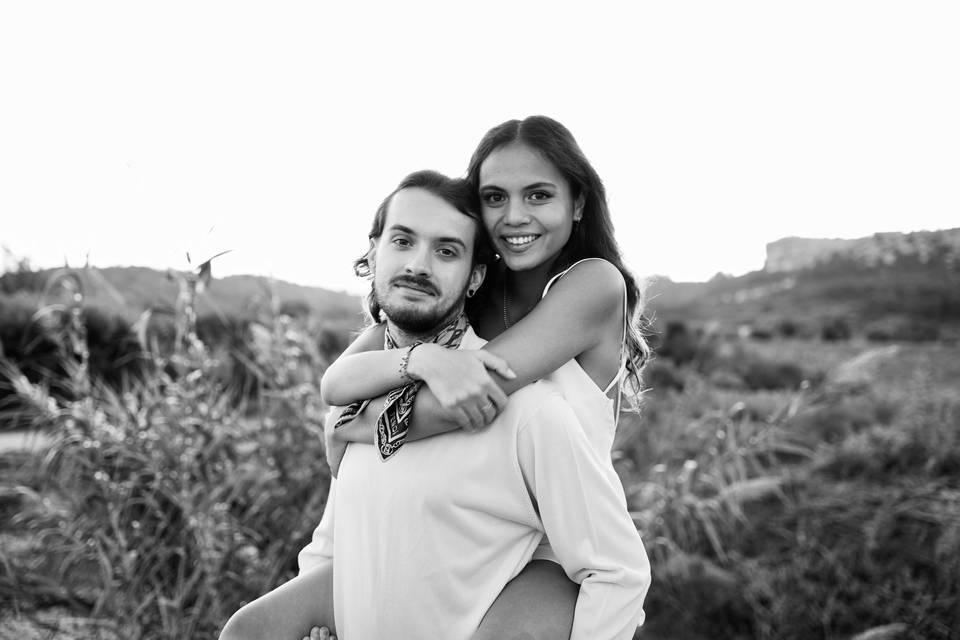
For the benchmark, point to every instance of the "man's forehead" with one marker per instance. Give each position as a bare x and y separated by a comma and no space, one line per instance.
428,215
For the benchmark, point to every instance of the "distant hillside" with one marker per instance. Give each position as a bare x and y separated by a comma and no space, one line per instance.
888,286
128,291
880,249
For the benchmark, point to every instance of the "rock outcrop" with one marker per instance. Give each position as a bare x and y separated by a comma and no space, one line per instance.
794,254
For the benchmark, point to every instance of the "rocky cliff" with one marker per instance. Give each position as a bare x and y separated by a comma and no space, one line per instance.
794,254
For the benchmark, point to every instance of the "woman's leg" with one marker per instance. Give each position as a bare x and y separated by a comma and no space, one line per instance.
288,612
537,605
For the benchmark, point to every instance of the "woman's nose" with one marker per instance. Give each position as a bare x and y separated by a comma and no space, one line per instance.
515,213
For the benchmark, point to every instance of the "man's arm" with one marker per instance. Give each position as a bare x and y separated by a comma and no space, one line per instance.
583,510
319,551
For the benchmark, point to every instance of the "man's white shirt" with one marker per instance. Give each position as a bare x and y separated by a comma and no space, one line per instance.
423,544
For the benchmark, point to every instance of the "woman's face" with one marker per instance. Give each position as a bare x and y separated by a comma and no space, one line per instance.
528,208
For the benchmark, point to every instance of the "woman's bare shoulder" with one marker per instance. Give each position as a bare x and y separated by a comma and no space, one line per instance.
593,283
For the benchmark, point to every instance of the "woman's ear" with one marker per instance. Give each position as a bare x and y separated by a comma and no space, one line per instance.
578,208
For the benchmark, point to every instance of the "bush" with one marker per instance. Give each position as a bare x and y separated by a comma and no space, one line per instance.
902,329
166,505
661,376
835,329
763,375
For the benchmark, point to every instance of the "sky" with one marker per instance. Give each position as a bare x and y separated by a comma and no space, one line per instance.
132,133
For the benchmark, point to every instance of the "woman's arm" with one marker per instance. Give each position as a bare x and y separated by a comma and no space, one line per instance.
580,309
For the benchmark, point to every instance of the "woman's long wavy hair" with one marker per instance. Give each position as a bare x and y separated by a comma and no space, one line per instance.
592,237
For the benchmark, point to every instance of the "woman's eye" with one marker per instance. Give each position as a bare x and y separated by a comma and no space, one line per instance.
493,198
401,242
539,195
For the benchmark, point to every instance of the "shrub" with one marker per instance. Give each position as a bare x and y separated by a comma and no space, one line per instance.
764,375
835,329
167,505
661,376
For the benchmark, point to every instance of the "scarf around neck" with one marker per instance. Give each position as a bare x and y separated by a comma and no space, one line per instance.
393,423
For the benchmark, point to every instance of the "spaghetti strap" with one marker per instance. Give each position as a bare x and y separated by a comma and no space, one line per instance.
622,369
563,273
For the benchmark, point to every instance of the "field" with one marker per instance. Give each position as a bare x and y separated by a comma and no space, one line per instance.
785,488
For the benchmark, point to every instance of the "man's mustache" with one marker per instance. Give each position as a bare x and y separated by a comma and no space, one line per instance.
417,283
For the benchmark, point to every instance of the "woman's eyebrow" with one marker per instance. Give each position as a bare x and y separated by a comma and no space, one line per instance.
535,185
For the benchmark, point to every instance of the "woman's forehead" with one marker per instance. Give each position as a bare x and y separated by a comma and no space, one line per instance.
518,164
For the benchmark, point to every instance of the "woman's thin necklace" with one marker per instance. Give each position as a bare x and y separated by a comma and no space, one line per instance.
506,322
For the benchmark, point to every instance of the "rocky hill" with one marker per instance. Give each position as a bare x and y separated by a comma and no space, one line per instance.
889,286
880,249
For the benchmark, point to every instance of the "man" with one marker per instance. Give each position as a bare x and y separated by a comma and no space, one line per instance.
426,542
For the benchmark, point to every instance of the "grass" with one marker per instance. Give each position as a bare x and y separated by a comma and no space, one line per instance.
777,499
821,512
163,505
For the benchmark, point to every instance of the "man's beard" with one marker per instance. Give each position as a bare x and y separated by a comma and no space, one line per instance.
418,318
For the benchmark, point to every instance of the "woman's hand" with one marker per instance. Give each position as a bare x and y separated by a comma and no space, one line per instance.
461,382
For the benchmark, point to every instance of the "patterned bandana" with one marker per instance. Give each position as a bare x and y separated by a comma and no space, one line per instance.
394,421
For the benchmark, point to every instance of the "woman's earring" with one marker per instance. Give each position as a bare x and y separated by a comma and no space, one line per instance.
470,292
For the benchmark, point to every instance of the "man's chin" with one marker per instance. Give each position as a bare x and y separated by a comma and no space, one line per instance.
413,318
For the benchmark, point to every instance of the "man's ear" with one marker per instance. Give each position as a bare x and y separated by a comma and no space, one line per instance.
371,254
477,275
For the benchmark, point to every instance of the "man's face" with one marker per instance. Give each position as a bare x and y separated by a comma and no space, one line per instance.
423,261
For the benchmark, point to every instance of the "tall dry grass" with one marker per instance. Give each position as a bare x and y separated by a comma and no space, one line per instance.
824,511
164,504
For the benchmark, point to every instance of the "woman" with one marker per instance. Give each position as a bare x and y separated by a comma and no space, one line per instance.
559,305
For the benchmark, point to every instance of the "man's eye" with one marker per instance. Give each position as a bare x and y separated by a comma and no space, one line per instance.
447,253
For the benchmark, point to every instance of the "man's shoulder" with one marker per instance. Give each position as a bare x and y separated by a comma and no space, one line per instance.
539,399
471,340
543,395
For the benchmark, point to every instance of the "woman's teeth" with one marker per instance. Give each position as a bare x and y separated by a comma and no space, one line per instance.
519,241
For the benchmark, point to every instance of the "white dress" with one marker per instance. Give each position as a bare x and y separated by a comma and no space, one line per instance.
597,412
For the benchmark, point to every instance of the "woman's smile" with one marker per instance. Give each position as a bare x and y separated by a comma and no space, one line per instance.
520,242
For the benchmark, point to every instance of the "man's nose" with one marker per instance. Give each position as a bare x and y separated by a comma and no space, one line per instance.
419,262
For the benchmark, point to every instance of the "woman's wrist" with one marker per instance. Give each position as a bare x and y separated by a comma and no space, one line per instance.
405,363
415,360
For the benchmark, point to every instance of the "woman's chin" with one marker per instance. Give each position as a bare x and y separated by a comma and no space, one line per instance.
527,261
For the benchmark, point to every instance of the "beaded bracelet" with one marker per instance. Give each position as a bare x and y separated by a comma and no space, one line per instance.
405,361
